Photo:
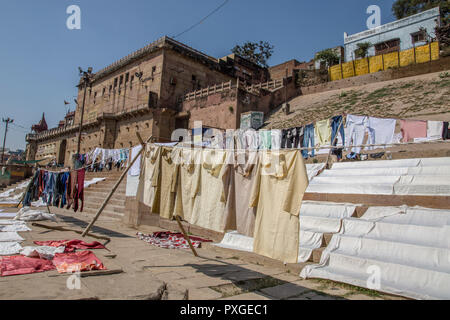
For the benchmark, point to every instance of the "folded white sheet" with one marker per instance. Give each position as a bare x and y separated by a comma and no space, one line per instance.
9,248
10,237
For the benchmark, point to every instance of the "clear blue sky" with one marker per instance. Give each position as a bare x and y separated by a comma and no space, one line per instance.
39,56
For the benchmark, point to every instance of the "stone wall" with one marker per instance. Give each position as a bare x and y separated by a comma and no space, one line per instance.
223,110
124,96
216,110
279,71
183,75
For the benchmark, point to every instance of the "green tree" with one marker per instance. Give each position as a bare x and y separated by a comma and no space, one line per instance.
329,56
257,52
406,8
363,49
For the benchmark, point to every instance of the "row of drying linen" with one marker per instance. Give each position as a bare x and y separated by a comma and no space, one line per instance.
353,131
105,155
259,194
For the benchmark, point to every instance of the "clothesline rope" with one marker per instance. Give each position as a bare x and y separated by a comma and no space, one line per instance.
375,145
319,147
71,170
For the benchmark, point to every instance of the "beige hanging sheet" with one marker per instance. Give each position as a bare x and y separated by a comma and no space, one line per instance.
188,185
211,210
277,193
245,170
148,182
168,182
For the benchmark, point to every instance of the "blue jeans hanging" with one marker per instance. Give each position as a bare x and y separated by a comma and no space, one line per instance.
308,138
335,123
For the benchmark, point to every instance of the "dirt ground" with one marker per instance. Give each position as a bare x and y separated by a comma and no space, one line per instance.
137,269
424,97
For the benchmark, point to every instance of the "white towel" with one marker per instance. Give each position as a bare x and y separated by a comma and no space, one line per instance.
135,169
381,131
276,139
434,129
356,126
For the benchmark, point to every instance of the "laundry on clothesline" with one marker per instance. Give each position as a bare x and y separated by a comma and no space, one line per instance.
355,132
100,158
93,181
57,189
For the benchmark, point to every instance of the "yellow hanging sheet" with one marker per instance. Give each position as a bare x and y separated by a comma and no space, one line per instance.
277,193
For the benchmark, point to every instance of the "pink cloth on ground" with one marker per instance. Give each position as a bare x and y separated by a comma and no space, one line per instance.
413,129
17,265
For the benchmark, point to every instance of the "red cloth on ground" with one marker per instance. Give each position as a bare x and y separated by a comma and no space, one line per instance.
171,240
15,265
413,129
70,245
77,261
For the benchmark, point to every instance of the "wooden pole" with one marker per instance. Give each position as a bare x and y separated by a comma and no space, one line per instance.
113,190
58,228
185,235
26,191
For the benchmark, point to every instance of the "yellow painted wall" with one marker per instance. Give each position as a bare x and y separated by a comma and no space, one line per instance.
406,57
347,70
376,64
390,60
422,54
384,62
335,72
435,51
362,66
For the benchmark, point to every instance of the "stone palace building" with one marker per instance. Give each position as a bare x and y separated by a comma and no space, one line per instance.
155,90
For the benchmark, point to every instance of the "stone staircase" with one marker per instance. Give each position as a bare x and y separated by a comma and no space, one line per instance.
326,238
13,185
95,194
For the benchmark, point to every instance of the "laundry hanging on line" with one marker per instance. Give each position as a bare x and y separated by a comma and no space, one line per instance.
209,188
58,189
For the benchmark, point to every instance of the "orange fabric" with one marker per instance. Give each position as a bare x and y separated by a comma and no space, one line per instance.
77,262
